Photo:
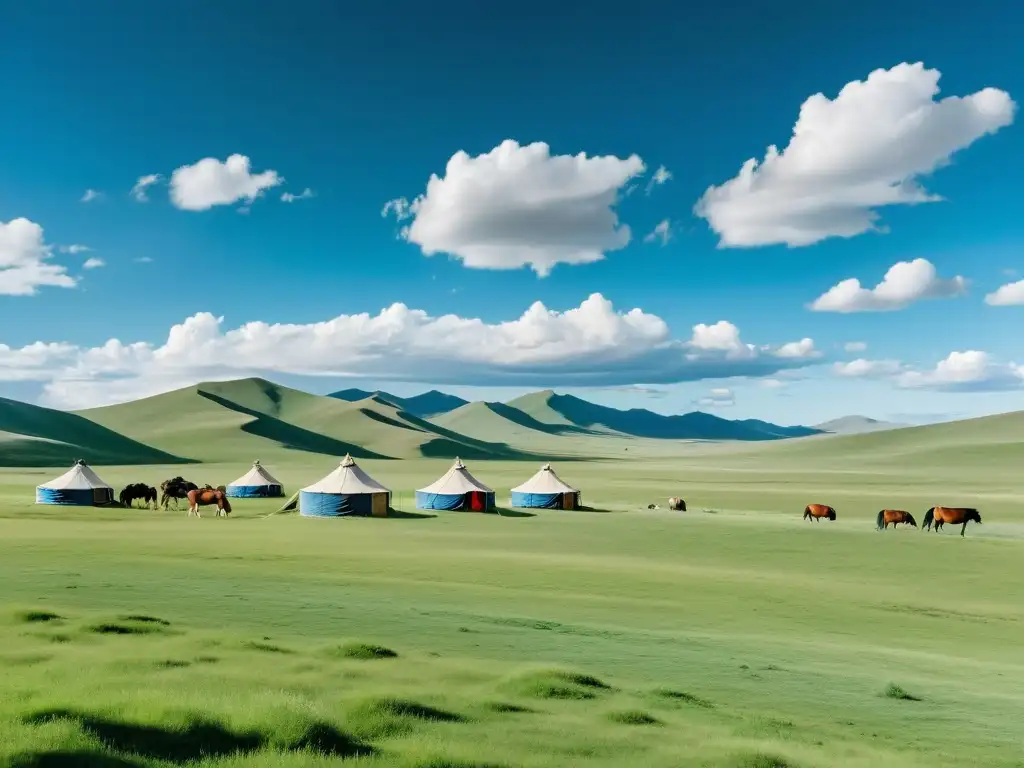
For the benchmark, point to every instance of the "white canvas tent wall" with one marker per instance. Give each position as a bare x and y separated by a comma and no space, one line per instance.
348,490
256,483
80,486
545,490
456,489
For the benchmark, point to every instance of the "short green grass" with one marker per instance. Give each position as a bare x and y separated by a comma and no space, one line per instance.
618,637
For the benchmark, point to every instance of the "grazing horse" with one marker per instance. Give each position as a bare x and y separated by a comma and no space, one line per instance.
817,511
894,517
138,491
677,504
175,488
203,498
939,516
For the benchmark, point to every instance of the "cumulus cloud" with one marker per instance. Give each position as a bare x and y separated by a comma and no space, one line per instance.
91,195
798,349
1009,295
970,371
592,345
661,176
772,383
93,263
25,260
850,156
141,189
720,397
855,346
211,182
662,232
519,206
905,283
288,197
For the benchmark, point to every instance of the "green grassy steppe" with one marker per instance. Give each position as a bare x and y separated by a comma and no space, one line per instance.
734,635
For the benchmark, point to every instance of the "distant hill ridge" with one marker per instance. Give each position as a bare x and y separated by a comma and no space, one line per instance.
855,425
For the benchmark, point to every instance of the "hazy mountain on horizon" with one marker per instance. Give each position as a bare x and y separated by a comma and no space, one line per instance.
424,405
855,425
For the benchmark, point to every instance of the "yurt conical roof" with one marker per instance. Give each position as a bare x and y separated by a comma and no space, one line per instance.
349,479
79,478
545,481
256,476
456,480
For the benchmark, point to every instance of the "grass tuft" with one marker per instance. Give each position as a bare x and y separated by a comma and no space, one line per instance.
256,645
763,760
144,619
38,616
387,717
65,758
557,684
503,707
110,628
633,717
894,691
364,652
682,697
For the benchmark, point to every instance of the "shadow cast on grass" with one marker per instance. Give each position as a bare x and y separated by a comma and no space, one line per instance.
69,759
197,739
399,514
510,512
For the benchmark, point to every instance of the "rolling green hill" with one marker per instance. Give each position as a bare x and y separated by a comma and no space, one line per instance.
226,421
426,405
34,436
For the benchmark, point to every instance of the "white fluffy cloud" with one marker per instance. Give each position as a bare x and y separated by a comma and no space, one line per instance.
74,250
850,156
591,345
91,195
904,283
211,182
970,371
288,197
93,263
519,206
720,397
1009,295
662,232
141,189
855,346
25,260
798,349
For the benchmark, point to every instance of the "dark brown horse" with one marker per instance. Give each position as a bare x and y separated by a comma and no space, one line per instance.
894,517
203,498
677,504
138,491
817,511
939,516
175,488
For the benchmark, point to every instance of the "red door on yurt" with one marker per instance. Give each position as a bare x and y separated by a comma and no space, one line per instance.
477,501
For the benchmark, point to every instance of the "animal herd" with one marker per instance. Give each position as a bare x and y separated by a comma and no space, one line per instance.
175,489
934,518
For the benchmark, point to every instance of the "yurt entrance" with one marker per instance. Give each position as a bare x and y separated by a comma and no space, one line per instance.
379,505
477,501
569,500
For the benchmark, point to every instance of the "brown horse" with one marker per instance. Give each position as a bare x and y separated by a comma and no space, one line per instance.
894,517
817,511
939,516
203,498
677,504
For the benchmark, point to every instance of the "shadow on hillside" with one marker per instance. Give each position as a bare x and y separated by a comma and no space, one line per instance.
382,419
61,438
523,419
451,444
291,436
200,739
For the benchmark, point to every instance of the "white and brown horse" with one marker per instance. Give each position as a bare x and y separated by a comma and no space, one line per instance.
205,497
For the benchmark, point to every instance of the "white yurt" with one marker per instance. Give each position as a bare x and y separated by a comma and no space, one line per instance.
257,483
79,486
545,490
456,489
348,490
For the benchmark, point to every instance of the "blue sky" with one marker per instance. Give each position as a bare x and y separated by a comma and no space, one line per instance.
362,102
